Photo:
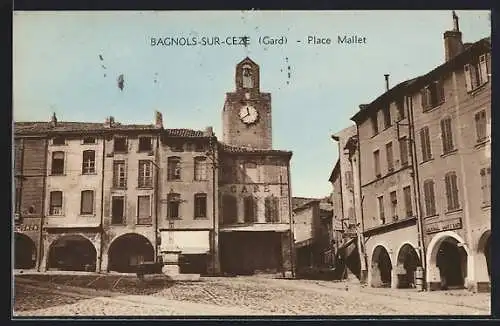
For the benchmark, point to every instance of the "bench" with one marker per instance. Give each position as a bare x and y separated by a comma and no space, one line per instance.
147,268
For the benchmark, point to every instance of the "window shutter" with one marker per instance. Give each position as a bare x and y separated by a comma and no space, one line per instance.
440,91
468,77
87,202
483,68
56,198
144,206
423,144
423,96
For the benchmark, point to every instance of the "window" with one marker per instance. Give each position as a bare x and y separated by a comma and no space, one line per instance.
87,202
476,73
407,197
119,174
374,124
88,165
145,144
376,162
452,191
394,205
176,146
251,172
229,209
56,201
272,209
174,201
486,185
89,140
390,157
425,143
447,135
381,213
145,178
430,199
57,163
144,210
432,95
199,147
174,168
58,140
400,107
117,209
120,145
247,77
387,117
200,205
403,151
481,125
348,180
18,200
200,168
250,209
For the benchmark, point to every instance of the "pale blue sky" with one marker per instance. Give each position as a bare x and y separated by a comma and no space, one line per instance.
57,69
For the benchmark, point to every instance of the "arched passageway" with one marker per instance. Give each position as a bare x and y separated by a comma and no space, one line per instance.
381,268
487,256
72,253
24,252
451,259
129,250
408,261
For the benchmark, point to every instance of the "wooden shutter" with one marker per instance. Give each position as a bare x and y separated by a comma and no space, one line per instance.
87,205
483,68
440,91
144,207
424,98
468,77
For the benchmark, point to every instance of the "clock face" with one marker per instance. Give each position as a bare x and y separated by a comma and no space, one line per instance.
248,114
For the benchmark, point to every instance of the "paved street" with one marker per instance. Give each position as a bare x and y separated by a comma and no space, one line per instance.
239,296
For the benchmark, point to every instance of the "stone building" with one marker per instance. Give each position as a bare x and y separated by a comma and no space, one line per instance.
451,108
424,164
108,196
254,188
189,205
29,189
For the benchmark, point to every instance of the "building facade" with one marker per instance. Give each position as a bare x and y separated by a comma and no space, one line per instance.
254,182
29,191
451,108
424,171
107,196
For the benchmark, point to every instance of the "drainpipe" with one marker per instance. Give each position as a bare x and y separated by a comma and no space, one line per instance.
42,216
157,197
416,187
102,200
290,221
215,234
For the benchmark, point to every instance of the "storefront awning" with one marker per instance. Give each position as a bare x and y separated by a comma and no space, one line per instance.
189,242
257,227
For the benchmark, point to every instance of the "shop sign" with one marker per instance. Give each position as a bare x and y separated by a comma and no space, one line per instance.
439,226
26,227
250,188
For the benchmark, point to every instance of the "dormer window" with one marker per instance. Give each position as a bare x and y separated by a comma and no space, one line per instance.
89,140
432,95
59,140
145,144
476,73
120,145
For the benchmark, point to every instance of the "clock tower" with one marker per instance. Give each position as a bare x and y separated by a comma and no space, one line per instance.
246,117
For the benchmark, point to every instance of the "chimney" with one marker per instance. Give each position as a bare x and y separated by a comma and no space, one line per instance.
209,131
453,40
53,120
110,121
158,120
386,82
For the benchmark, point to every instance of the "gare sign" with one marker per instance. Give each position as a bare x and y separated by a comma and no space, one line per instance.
451,224
26,227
